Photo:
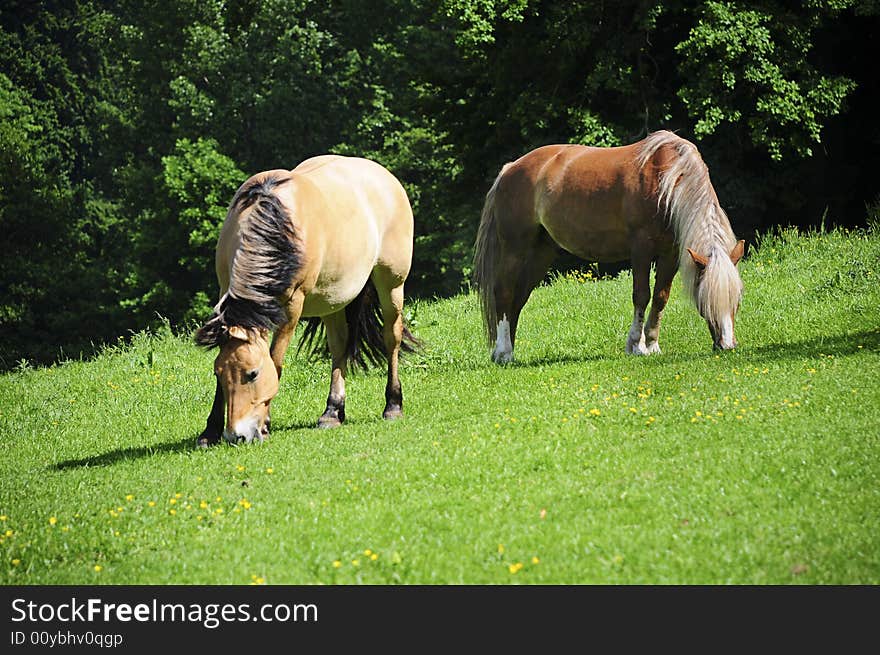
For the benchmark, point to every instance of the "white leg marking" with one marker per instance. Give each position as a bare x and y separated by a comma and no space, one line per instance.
652,348
503,353
635,341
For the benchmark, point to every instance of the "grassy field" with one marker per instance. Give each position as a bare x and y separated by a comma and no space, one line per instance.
576,464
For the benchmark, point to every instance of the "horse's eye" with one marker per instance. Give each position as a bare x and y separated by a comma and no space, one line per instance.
250,376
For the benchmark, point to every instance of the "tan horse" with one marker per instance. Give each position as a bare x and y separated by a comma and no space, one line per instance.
649,202
330,241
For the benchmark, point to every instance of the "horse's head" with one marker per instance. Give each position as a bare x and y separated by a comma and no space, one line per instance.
718,292
249,380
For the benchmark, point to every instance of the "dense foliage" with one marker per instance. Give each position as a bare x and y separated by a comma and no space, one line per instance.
126,126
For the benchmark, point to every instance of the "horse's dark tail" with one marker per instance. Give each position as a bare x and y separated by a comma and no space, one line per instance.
485,251
366,344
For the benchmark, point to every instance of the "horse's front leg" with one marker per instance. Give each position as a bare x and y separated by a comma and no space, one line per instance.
641,271
214,426
281,342
667,265
337,340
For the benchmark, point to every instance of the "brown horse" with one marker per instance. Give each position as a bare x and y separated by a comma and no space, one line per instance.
650,201
330,241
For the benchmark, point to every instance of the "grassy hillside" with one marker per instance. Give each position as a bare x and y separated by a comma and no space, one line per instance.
576,464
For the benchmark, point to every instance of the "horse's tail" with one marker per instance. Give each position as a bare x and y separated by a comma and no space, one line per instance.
485,251
366,343
686,195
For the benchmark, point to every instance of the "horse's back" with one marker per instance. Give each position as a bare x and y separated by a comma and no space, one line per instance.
354,215
588,199
367,185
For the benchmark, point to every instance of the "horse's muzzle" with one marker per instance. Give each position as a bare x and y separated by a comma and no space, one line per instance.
247,433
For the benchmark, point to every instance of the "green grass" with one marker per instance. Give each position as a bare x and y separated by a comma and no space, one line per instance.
577,464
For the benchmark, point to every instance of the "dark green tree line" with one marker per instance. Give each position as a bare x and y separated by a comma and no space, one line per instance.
125,127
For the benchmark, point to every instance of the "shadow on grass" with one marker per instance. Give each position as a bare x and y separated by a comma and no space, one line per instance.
184,445
837,345
123,454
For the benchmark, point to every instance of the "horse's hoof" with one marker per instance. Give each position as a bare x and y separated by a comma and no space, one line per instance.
392,413
206,440
502,357
636,348
326,422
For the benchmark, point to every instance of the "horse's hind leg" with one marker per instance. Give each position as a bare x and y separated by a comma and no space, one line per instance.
389,289
392,332
520,272
504,291
337,339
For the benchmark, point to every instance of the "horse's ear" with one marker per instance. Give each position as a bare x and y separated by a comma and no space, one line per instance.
699,260
738,251
237,332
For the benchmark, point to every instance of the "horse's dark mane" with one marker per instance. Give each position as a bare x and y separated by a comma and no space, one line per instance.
263,266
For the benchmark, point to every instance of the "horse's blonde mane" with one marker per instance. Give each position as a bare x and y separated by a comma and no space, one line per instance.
685,194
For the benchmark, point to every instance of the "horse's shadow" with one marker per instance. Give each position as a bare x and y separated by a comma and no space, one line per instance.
837,345
121,454
181,446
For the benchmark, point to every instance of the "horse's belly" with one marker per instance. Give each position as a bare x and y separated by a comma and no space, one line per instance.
593,243
337,285
330,299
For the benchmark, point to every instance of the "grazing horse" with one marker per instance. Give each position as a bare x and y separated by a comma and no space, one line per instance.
650,201
330,241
